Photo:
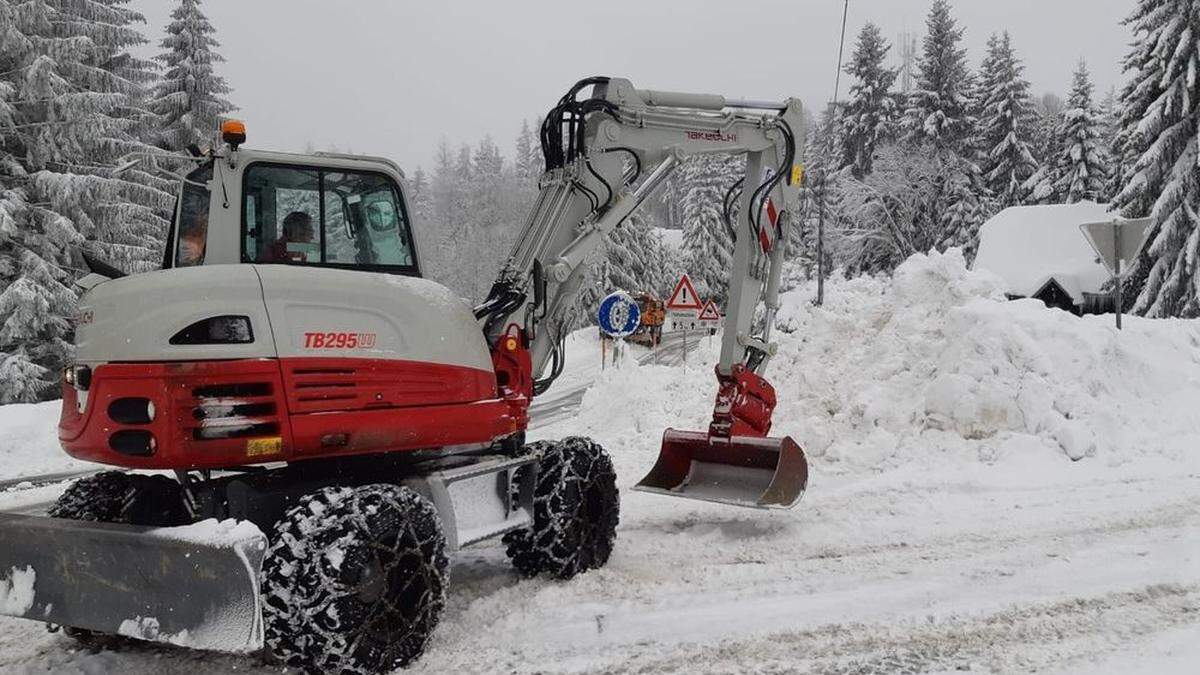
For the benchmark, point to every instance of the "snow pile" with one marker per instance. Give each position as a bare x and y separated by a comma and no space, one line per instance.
930,366
29,441
16,592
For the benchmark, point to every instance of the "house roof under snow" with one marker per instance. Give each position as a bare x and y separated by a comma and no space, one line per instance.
1027,246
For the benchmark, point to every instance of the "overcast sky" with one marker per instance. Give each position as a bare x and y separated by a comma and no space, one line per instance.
392,77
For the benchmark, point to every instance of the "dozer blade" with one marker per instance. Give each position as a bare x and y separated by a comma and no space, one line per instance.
195,586
741,470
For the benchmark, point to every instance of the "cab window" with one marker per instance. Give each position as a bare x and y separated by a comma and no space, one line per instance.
300,215
192,223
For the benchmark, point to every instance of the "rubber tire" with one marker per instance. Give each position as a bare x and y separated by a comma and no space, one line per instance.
576,508
118,497
322,548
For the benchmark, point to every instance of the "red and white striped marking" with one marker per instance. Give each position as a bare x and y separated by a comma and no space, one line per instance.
764,236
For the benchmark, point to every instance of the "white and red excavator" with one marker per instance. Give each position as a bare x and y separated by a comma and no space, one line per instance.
317,426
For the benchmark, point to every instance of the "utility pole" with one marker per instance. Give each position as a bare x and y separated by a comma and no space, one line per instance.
819,189
837,78
820,177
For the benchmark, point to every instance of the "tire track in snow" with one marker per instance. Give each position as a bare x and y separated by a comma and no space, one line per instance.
1013,639
680,583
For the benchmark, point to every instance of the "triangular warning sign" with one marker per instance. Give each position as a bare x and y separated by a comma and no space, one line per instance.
710,312
684,297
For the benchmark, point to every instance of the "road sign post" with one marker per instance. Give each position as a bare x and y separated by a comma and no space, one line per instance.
1117,295
709,318
683,306
619,316
1117,242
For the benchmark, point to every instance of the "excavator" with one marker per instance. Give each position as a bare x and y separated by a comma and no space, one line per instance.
304,427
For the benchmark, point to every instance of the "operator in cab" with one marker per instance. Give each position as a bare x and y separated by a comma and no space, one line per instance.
295,242
192,238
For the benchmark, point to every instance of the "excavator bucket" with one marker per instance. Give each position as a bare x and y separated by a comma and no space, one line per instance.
194,586
768,473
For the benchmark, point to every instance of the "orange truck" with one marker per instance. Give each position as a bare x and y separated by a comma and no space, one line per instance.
654,314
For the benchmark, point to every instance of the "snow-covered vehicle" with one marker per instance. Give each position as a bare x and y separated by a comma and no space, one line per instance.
297,375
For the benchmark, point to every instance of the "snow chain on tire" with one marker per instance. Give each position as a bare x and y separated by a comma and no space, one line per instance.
575,511
118,497
354,580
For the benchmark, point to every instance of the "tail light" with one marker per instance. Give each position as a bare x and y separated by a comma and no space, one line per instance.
79,377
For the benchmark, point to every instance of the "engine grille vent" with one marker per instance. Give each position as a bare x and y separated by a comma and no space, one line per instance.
234,410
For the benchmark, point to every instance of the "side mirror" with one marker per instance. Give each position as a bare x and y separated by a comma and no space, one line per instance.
101,267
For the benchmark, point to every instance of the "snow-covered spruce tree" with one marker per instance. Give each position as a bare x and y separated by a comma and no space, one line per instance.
486,185
71,95
869,118
1082,164
190,97
938,109
83,96
1005,123
631,258
420,199
1110,134
1160,131
821,155
1046,145
529,162
707,247
964,204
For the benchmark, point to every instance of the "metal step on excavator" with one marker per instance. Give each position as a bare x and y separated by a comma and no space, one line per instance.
326,424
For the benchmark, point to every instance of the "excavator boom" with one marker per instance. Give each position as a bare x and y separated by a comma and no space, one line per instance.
605,155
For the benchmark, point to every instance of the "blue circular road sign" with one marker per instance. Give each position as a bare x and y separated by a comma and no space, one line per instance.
619,315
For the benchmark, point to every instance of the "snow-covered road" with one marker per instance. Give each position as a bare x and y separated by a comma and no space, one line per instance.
907,572
869,576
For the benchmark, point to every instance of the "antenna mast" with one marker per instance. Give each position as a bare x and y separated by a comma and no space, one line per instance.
908,58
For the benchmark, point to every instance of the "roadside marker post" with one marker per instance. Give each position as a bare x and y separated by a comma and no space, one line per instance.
1117,242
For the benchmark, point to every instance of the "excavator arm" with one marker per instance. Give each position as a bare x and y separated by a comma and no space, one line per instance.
605,155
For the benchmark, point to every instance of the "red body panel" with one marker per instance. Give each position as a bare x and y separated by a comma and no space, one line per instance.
214,414
335,384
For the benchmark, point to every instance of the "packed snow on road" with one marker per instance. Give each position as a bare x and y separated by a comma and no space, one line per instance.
996,487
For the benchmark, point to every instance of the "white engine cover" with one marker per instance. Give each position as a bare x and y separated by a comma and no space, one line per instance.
389,317
395,317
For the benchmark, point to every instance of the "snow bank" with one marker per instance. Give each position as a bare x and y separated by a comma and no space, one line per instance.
934,366
29,441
